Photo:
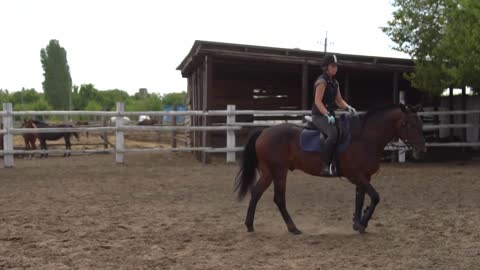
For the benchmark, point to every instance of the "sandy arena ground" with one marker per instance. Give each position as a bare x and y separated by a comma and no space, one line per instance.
167,211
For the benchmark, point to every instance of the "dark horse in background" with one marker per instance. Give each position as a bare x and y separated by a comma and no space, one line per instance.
1,138
277,149
29,140
148,122
43,137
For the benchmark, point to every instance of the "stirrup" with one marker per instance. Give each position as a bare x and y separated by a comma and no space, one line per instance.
331,170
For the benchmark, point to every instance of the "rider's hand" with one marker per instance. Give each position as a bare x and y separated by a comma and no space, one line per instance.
351,110
330,118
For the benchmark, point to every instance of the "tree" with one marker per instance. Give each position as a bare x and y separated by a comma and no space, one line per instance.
25,96
4,96
442,38
57,84
86,93
110,98
174,98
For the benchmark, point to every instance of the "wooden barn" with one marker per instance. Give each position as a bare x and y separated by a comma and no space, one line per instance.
266,78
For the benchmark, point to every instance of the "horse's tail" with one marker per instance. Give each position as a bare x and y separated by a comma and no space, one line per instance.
76,135
248,166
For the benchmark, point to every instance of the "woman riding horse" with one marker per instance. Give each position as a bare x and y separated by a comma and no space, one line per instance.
277,149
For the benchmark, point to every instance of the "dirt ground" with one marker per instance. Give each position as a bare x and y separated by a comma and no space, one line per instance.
167,211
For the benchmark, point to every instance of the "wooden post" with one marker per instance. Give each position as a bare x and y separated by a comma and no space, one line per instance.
395,100
8,160
230,133
304,86
105,134
174,123
464,116
401,154
346,88
396,94
207,75
119,139
450,103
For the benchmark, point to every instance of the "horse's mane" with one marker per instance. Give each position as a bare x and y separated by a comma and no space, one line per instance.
38,122
374,112
380,110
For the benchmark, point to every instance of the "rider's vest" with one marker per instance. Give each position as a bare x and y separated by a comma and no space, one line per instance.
328,96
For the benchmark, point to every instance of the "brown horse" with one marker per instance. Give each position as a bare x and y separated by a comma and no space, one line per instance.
29,139
83,123
43,137
277,149
148,122
1,138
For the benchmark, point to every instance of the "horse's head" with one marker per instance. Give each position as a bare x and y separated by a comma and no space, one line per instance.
27,123
410,130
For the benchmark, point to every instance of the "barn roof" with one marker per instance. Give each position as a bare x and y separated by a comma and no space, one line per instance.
201,48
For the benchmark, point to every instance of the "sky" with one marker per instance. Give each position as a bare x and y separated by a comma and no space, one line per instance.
139,43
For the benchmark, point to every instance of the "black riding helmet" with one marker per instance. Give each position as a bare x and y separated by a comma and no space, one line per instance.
329,59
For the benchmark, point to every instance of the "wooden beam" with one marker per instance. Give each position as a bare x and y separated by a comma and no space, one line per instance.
311,61
207,82
396,96
464,108
346,88
450,106
305,91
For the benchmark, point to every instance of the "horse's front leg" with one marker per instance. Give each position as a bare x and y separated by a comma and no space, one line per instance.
43,146
374,200
357,215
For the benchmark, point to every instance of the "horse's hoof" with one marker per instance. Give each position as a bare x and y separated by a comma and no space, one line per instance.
250,230
295,231
358,227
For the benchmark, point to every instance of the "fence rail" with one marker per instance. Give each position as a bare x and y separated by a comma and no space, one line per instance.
230,126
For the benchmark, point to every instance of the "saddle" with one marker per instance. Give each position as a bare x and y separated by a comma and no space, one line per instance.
313,140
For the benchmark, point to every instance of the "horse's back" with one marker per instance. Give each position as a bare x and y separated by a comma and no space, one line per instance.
274,143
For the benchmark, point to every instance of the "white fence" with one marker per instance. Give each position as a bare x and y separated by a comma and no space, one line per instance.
229,127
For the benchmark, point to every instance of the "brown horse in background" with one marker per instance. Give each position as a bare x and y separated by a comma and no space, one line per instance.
51,136
83,123
148,122
276,150
1,138
29,140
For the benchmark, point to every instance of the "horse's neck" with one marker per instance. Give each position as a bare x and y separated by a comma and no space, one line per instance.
380,131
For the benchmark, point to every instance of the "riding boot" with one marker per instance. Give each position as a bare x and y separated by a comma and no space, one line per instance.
328,168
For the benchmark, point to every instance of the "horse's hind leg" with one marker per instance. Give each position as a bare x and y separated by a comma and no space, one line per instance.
68,145
280,183
262,184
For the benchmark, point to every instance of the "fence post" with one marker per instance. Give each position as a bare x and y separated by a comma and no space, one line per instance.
104,134
230,133
401,154
174,123
8,160
119,139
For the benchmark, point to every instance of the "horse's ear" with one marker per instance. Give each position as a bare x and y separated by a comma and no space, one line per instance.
417,108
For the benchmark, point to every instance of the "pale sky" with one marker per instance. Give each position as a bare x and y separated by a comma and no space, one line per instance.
139,43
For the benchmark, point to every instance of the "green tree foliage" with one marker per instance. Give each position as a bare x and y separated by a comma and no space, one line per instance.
86,93
109,98
152,102
4,96
87,97
57,84
442,38
174,98
25,96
